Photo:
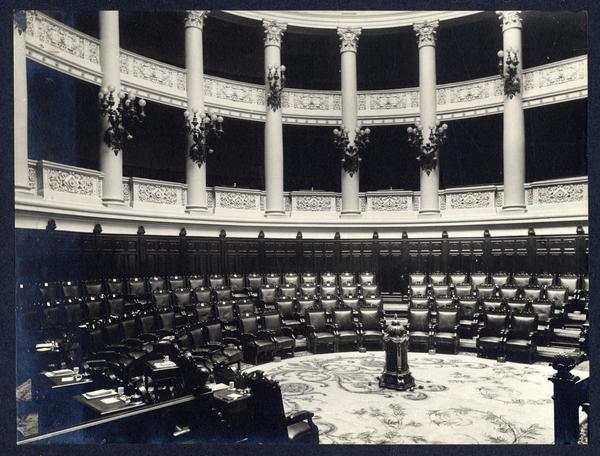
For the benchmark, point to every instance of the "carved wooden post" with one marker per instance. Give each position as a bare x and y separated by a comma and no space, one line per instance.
141,265
100,269
486,258
222,253
299,253
445,252
183,253
581,260
531,251
261,252
375,259
406,266
337,251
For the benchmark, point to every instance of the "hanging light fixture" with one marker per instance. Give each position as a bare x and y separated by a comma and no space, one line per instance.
508,65
276,80
204,130
427,151
121,115
350,154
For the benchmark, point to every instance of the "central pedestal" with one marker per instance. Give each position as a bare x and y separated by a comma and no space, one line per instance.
396,374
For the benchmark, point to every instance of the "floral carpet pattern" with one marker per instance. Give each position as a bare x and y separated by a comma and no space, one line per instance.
458,399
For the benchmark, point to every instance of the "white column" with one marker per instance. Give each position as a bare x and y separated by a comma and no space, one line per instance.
429,183
513,120
195,176
111,164
20,111
348,47
273,126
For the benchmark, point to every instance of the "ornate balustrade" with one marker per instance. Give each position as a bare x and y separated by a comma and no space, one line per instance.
65,190
58,46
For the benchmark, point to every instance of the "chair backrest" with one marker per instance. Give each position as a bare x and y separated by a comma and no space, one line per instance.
346,277
93,288
269,414
491,304
203,294
129,328
249,325
570,282
309,277
94,307
586,283
467,308
136,286
328,289
196,281
532,292
330,277
254,281
237,282
440,289
418,289
162,299
73,310
303,304
417,277
419,301
376,301
71,290
291,278
225,312
183,297
544,310
328,304
349,289
440,301
272,322
478,278
167,320
216,280
51,315
485,291
94,340
517,305
285,307
366,277
352,303
463,290
222,293
214,332
176,282
500,279
509,291
521,279
522,325
343,319
558,295
544,280
437,277
196,336
157,283
447,320
287,290
115,286
148,323
308,289
495,323
418,319
267,294
245,307
50,291
317,319
204,311
115,304
369,289
113,333
273,279
458,277
370,319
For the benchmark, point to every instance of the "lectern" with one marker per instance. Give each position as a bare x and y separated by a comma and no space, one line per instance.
396,374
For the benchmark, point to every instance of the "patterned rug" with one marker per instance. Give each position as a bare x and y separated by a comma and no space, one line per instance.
458,399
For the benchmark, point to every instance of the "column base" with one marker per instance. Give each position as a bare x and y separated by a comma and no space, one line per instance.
275,213
430,213
23,189
514,208
350,214
196,209
113,202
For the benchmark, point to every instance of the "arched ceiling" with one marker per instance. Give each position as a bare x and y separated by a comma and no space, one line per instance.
318,19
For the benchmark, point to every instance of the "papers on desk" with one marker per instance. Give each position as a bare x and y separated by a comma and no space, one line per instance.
99,393
233,396
59,373
164,364
110,400
48,345
217,386
68,379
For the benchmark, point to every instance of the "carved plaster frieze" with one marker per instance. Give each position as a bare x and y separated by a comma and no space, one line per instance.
126,191
70,182
389,203
470,200
32,177
234,200
313,203
311,102
560,193
158,194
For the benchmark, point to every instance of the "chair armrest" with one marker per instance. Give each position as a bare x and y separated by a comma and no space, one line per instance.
310,330
331,326
231,341
247,338
265,334
215,346
532,335
165,332
201,351
289,332
147,337
301,415
133,341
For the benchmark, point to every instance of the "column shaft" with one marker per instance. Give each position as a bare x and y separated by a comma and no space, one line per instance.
195,175
513,124
111,164
20,111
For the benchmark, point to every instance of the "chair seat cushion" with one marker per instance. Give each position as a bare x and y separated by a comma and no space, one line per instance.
297,429
233,354
347,334
418,334
445,335
290,322
266,344
466,322
324,336
284,341
135,354
490,340
372,333
517,343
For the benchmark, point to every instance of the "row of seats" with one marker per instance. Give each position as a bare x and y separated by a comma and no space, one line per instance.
236,282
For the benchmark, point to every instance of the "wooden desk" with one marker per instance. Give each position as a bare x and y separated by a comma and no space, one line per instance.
108,404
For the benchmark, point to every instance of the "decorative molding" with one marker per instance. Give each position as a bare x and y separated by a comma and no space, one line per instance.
32,178
510,19
158,194
389,203
195,18
210,199
470,200
273,32
236,200
70,182
426,33
349,38
363,203
126,191
560,193
313,203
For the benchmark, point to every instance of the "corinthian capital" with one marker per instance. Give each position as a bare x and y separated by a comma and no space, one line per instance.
510,19
273,32
195,18
426,32
348,38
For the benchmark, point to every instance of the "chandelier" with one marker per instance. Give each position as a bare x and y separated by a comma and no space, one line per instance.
350,153
276,80
204,131
121,116
508,72
427,151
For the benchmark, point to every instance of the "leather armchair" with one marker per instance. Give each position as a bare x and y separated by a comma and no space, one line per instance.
115,286
522,279
287,309
308,290
288,291
547,321
292,278
492,303
438,277
346,277
283,337
244,308
255,281
222,293
517,305
196,281
204,311
457,278
445,329
463,290
477,279
72,290
93,288
346,329
532,293
509,291
162,300
440,289
544,280
493,332
157,283
328,289
273,279
499,279
419,327
418,289
309,277
254,340
318,330
417,278
216,280
328,277
302,305
176,282
485,291
468,317
203,294
371,325
522,334
266,296
366,277
227,350
226,315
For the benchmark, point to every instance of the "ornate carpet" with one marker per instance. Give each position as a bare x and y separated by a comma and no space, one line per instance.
458,399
